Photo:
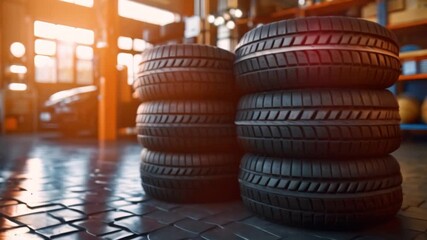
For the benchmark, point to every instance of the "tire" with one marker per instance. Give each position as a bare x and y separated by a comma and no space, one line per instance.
187,126
319,123
322,194
185,178
186,71
317,52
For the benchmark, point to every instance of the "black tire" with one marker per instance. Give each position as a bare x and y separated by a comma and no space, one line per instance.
319,123
186,71
186,178
322,194
187,126
317,52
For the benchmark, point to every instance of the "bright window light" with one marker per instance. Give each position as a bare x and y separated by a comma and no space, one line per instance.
85,3
126,59
139,45
19,69
145,13
137,59
84,72
65,62
45,47
17,86
63,33
45,69
84,52
84,36
44,30
124,43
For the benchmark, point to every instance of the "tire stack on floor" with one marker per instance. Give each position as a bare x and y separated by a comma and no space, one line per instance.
186,123
317,124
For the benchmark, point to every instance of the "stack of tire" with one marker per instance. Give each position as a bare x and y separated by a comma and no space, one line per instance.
186,123
316,124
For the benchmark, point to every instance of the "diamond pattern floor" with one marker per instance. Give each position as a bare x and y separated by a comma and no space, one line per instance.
80,189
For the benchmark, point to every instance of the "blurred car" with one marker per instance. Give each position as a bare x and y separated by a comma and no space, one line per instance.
75,111
72,111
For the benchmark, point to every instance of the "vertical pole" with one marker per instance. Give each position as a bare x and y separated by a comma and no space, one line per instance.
1,70
107,129
382,13
252,13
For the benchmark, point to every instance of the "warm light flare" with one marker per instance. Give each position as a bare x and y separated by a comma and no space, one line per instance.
145,13
63,33
19,69
85,3
17,49
17,86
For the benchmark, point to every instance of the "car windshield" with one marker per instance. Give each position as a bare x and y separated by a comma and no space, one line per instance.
68,93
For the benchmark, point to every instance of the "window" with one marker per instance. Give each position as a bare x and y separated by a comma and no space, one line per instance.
145,13
45,69
84,72
85,3
126,59
44,30
65,52
124,43
132,57
63,33
139,45
84,52
65,62
84,56
134,45
45,47
224,38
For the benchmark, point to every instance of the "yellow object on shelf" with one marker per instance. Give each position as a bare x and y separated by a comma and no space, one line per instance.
424,110
409,109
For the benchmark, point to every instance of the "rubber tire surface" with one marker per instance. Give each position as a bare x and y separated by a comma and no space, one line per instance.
185,71
187,126
317,52
186,178
315,193
319,123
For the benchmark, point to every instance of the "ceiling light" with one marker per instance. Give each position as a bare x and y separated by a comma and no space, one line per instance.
17,49
211,18
17,86
219,21
230,25
19,69
238,13
146,13
226,16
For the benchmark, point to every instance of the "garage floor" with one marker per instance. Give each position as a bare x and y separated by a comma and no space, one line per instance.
77,189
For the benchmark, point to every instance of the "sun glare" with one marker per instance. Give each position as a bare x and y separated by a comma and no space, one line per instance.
145,13
63,33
